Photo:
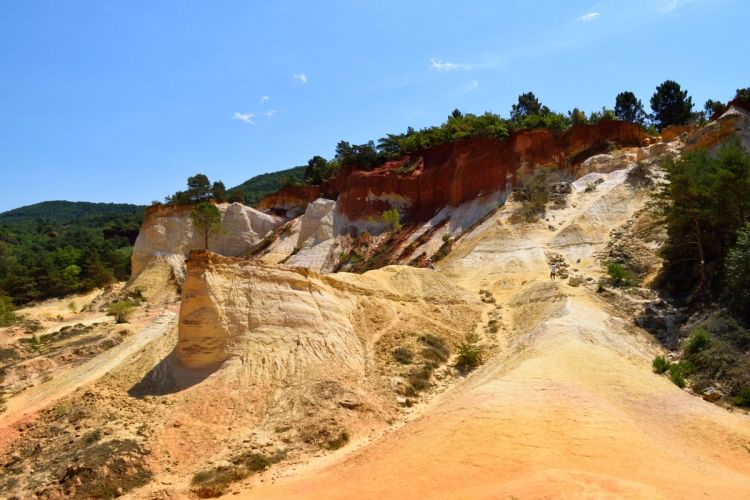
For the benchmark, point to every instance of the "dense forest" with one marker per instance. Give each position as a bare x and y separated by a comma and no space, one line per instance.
58,247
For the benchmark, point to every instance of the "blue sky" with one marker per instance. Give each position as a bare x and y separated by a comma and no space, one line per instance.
122,101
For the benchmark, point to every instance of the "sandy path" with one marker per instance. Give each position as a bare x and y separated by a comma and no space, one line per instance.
42,395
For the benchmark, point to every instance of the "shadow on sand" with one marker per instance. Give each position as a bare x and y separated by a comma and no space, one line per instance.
169,377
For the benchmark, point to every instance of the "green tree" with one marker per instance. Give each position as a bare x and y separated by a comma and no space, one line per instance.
218,191
317,170
705,203
604,114
671,105
742,93
738,273
577,117
629,108
527,105
236,196
199,188
713,107
207,221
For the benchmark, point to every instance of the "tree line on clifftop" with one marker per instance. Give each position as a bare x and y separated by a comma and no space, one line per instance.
670,105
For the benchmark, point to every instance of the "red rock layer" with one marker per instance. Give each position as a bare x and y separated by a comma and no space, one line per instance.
454,173
289,197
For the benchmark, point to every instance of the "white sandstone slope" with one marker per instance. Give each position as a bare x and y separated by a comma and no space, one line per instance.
167,236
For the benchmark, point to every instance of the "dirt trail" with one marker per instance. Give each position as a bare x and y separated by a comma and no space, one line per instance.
43,395
569,409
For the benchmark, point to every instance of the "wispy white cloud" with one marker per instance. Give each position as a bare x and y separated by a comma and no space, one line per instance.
587,18
271,112
265,98
438,65
301,77
668,5
244,117
471,86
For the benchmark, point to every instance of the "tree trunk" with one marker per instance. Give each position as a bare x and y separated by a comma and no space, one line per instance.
700,253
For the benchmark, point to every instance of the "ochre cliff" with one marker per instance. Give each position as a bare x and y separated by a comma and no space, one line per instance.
451,174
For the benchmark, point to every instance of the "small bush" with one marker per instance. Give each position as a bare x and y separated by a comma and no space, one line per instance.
435,348
469,352
660,365
698,341
121,310
403,355
338,441
678,372
743,398
391,218
534,195
419,378
215,482
617,273
492,326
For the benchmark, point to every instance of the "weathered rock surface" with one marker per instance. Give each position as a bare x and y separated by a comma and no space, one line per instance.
279,320
167,233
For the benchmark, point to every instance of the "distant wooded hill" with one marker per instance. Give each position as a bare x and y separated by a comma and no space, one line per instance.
259,186
64,212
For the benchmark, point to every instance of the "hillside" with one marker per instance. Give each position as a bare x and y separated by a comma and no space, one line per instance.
398,336
55,248
64,212
255,188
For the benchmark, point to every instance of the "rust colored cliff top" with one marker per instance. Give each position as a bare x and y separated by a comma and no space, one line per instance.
453,173
289,197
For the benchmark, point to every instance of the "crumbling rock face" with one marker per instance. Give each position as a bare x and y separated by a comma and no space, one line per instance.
167,233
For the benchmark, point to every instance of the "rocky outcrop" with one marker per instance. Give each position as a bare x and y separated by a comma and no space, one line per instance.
280,320
167,234
451,174
734,121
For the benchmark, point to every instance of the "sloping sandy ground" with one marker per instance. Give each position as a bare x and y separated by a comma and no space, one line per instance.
570,408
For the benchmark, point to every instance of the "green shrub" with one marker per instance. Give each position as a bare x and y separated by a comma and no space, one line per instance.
678,372
660,364
391,218
534,196
698,341
121,310
743,398
617,273
469,352
7,314
403,355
